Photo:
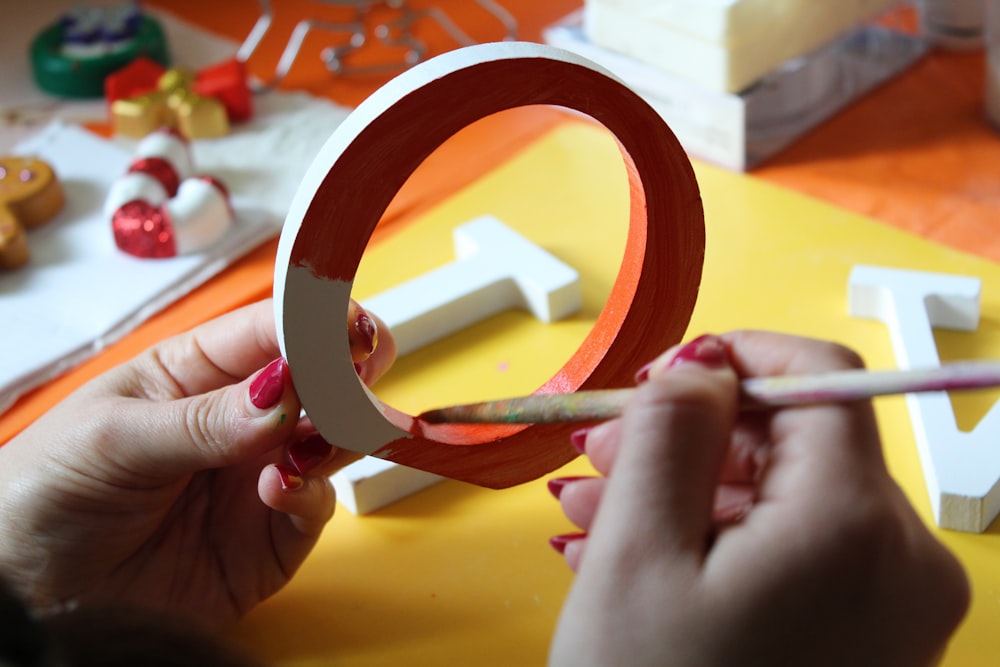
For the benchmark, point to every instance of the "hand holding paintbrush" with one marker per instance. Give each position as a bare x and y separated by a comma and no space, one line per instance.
712,535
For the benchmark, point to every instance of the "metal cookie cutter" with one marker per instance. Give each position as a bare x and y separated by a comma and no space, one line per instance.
396,32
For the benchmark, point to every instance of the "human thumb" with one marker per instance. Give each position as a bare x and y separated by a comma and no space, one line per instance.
221,427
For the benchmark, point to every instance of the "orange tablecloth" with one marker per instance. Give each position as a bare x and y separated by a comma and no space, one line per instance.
917,153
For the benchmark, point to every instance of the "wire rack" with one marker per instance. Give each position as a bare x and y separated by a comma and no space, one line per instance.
396,28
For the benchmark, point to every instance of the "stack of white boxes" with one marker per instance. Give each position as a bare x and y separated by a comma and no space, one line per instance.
738,80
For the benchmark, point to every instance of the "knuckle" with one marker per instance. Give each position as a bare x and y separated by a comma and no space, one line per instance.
203,427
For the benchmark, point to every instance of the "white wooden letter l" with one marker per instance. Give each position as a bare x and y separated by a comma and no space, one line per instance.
496,269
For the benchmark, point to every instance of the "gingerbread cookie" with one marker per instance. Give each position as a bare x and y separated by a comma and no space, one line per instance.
30,195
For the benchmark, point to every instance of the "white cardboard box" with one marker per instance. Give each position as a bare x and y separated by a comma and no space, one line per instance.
738,131
721,45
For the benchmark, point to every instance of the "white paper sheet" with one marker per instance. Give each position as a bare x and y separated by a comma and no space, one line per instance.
79,291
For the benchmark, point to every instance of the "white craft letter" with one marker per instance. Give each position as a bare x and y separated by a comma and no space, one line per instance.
962,469
496,270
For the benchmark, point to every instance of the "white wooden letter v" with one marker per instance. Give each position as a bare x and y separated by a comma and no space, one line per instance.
961,468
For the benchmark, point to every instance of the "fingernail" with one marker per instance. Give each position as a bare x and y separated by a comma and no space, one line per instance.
366,332
309,452
289,480
559,542
578,439
266,389
707,350
642,374
557,484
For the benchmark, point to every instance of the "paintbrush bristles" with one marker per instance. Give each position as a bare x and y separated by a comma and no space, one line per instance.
596,405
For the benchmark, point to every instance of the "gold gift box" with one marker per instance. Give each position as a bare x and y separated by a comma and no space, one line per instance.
173,104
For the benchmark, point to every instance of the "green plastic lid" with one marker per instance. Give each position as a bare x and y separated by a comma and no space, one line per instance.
78,71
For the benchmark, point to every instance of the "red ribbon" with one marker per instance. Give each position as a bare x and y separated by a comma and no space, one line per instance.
225,81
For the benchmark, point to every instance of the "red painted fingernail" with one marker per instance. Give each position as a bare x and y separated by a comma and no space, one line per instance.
708,350
642,374
266,389
578,439
367,331
289,480
557,484
559,542
309,452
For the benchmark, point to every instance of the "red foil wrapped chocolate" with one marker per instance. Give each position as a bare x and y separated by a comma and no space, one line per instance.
144,230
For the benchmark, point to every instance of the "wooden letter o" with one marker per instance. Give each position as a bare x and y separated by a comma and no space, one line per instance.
361,167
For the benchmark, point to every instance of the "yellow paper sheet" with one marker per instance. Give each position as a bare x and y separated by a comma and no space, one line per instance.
462,575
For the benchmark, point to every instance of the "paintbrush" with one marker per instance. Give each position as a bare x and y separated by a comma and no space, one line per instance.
755,394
